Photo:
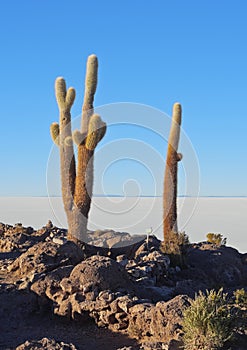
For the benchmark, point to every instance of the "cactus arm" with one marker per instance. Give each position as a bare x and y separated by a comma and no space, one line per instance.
90,89
65,99
170,180
54,130
78,137
70,97
96,131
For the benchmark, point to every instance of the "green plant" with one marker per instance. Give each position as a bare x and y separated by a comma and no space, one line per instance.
175,246
216,239
209,322
77,183
240,296
170,180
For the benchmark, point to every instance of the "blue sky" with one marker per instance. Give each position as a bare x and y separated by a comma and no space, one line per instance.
153,53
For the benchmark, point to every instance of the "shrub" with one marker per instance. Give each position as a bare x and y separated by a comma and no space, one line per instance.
216,239
175,247
209,322
240,296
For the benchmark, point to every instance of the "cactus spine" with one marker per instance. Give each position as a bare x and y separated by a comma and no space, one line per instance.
77,183
170,181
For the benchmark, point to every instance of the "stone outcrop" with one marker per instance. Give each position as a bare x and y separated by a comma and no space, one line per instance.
45,344
130,289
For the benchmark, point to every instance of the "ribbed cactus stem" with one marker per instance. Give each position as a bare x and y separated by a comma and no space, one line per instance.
91,78
170,181
68,141
90,89
60,91
61,135
77,184
175,127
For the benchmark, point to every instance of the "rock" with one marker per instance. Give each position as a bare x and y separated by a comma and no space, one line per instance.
153,244
172,345
49,284
44,257
156,294
133,294
59,241
149,267
122,260
114,241
160,322
111,239
223,266
49,224
189,287
129,348
106,296
45,344
104,273
157,257
87,289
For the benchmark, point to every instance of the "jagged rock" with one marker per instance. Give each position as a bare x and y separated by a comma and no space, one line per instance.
130,348
44,257
222,265
45,344
86,288
149,267
160,322
49,284
146,247
122,260
172,345
111,239
18,237
59,241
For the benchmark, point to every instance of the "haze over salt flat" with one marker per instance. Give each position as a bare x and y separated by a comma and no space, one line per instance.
197,217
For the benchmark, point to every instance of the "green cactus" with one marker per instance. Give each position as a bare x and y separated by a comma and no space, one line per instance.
77,183
170,181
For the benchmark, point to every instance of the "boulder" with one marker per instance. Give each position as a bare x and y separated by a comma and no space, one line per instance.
160,322
102,272
221,266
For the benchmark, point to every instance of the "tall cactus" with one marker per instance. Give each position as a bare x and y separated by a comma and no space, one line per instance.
77,183
170,181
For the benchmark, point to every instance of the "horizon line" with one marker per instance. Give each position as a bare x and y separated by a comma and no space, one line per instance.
122,196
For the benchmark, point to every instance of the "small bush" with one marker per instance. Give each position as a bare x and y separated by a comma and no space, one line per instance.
240,296
175,246
216,239
209,322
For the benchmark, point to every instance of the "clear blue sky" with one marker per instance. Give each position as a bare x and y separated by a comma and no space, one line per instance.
154,53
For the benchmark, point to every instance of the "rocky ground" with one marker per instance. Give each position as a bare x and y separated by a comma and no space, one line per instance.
123,295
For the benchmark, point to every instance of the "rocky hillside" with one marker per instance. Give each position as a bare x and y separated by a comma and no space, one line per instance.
116,292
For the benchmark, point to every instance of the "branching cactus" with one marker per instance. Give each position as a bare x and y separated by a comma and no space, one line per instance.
170,181
77,182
